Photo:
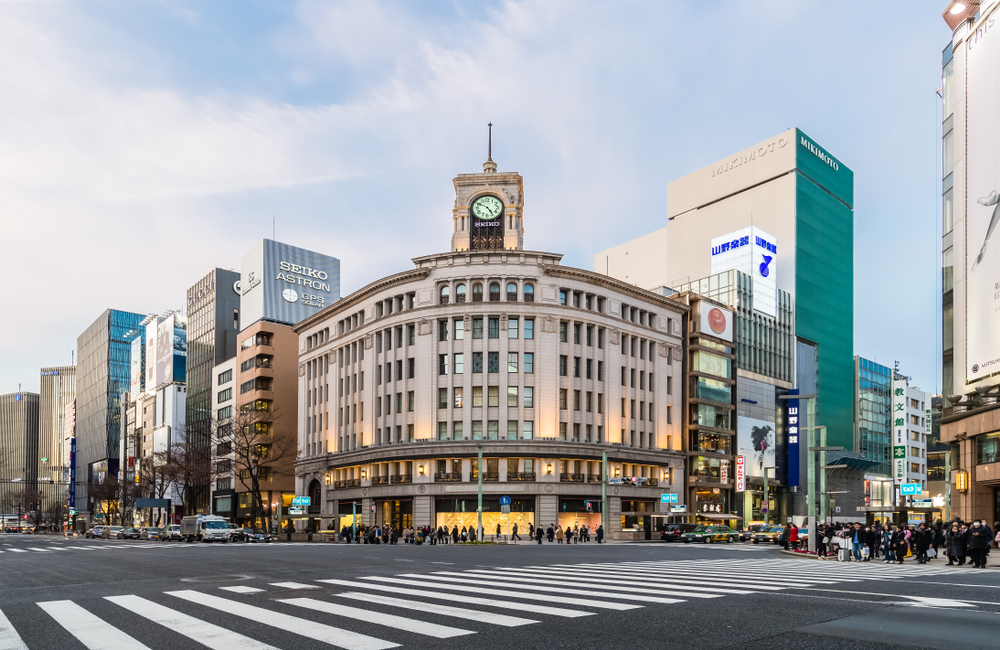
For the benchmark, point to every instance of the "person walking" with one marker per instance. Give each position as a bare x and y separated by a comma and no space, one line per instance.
793,537
496,538
513,533
531,530
600,533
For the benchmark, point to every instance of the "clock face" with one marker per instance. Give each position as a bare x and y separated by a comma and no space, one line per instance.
487,208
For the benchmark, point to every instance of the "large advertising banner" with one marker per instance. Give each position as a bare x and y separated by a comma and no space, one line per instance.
171,350
792,426
151,339
180,348
135,365
899,432
982,203
754,252
755,439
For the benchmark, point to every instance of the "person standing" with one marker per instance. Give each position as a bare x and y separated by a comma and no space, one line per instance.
550,533
559,534
538,534
979,543
600,533
857,541
954,546
793,537
531,530
887,544
921,542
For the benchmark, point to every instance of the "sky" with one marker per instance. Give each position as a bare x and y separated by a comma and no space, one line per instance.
144,143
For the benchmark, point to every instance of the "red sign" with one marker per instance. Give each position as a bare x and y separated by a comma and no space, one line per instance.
741,474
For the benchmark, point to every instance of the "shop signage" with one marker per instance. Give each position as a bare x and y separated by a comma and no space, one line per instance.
910,489
792,426
301,501
741,474
628,480
295,511
899,432
678,508
711,507
668,498
724,471
923,503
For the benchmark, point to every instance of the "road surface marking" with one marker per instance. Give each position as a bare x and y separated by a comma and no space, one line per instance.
88,628
513,590
213,636
240,589
9,638
325,633
293,585
443,610
379,618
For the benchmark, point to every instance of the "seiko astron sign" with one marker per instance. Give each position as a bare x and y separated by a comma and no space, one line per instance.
285,284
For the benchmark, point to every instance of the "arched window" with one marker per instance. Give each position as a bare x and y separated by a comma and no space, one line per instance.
529,293
494,292
314,501
444,295
511,292
477,292
460,293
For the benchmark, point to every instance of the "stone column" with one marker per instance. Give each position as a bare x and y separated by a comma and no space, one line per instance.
423,510
546,510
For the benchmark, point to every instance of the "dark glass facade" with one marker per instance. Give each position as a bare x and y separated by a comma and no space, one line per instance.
873,417
213,313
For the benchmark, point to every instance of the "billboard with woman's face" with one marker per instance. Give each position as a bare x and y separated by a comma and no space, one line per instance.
755,439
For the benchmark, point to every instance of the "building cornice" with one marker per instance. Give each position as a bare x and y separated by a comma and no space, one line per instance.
360,295
614,284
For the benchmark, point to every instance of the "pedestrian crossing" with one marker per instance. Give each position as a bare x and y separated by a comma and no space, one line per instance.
376,612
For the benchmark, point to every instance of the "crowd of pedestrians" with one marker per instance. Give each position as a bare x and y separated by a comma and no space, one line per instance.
960,542
441,535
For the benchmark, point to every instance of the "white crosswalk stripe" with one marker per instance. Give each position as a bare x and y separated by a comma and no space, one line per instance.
392,608
90,630
213,636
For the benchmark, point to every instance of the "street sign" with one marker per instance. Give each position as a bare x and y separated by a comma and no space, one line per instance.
301,501
668,498
505,510
152,503
910,488
764,506
505,501
678,508
373,508
295,511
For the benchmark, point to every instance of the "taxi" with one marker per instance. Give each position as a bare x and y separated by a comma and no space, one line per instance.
770,533
709,534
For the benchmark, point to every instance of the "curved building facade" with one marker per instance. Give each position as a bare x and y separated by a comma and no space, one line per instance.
567,382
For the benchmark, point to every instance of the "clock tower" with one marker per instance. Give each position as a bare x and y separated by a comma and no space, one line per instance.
488,210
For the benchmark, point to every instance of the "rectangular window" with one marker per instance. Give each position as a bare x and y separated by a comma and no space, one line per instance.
378,375
562,432
411,334
442,330
459,397
442,430
410,399
494,324
225,377
670,414
529,328
590,336
576,432
399,369
411,367
562,398
590,367
576,366
459,329
642,411
225,413
590,402
477,329
576,400
225,395
512,328
493,361
600,371
459,363
642,380
492,430
563,363
600,338
512,396
576,333
442,364
631,377
456,429
477,362
494,396
563,332
511,435
442,398
477,434
477,396
529,397
527,433
512,362
624,370
529,363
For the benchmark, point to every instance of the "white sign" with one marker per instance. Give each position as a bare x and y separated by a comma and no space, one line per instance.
754,252
755,440
741,474
716,321
898,419
724,471
982,205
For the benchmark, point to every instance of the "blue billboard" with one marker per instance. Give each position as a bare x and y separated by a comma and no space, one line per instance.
792,426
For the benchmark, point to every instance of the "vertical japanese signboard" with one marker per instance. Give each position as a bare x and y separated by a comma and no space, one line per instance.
898,431
792,426
741,474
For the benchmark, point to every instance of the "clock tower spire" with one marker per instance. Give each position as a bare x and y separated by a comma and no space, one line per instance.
488,208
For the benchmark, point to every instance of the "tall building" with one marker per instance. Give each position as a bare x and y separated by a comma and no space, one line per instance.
873,421
19,437
213,317
970,257
782,212
58,389
103,375
572,378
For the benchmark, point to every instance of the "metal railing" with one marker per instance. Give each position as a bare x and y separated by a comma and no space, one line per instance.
571,478
402,478
520,476
448,477
380,480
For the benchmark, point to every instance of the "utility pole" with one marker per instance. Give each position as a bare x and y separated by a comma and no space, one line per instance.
479,509
604,493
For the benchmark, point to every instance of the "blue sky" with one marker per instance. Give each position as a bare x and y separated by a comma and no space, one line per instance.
144,143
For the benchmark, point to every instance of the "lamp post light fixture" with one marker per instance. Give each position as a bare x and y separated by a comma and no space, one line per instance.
420,469
548,468
364,474
962,480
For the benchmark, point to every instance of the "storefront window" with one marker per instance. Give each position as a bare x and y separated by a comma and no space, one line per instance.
714,442
712,389
988,448
711,416
713,501
711,364
461,512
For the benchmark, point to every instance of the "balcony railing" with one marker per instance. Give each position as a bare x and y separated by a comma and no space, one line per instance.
339,485
491,477
511,296
353,482
401,478
521,476
494,296
652,482
593,478
448,477
380,480
702,478
529,297
571,478
459,297
444,300
477,297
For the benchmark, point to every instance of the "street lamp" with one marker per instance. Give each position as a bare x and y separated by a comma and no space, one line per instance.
962,480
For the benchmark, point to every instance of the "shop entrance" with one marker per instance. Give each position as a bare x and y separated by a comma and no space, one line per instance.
461,513
397,513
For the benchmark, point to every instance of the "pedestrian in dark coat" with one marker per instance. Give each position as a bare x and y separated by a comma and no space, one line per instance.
955,546
538,534
921,542
454,534
600,534
980,536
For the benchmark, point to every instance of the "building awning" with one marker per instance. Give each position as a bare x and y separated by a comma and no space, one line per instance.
716,516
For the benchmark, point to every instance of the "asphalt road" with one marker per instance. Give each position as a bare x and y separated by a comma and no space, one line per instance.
57,593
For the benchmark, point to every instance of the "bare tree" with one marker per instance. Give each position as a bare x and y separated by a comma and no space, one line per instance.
159,475
258,452
105,496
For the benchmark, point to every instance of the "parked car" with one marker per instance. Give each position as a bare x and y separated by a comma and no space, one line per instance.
253,535
709,534
770,533
234,533
675,532
747,533
96,531
150,533
170,532
129,533
111,532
